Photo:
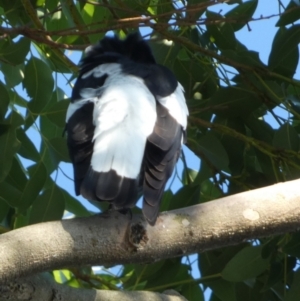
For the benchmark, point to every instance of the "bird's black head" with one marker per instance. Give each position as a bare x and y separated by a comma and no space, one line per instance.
113,48
137,49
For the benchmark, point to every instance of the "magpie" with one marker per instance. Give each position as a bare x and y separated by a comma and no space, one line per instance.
125,125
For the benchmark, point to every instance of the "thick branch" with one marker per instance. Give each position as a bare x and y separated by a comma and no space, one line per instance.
115,239
39,288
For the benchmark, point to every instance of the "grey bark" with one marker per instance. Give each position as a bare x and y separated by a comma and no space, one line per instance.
41,288
117,239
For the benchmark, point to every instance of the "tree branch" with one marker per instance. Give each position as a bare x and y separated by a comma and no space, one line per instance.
39,288
273,152
111,239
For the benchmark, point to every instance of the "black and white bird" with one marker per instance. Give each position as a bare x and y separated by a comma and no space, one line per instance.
125,125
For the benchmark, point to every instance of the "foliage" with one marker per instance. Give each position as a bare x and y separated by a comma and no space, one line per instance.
229,91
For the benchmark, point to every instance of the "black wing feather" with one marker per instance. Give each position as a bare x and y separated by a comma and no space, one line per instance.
110,187
161,154
80,130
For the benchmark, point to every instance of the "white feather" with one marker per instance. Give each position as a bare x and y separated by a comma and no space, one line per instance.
111,68
176,105
124,117
88,94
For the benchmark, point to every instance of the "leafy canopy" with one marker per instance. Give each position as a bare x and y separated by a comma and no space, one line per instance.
229,91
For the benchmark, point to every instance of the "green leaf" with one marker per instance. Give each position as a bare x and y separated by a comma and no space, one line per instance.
270,172
234,102
273,91
278,270
165,52
213,151
209,191
57,20
88,12
15,13
286,137
247,264
4,101
73,205
223,289
48,206
246,292
133,273
194,14
38,176
96,17
4,128
221,33
137,7
192,72
188,176
10,194
241,14
57,112
21,220
245,57
192,292
185,196
15,119
55,58
205,172
58,149
9,145
17,176
164,7
57,96
171,271
213,297
17,99
213,262
293,246
166,200
39,84
270,247
234,147
13,75
284,55
40,2
70,10
15,52
183,55
294,291
260,130
63,276
290,15
195,72
4,208
27,149
1,13
49,154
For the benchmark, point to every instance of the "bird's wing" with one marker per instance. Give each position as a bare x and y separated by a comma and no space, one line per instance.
163,149
123,117
80,131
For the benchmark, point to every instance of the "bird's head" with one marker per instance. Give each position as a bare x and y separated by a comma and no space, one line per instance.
133,48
